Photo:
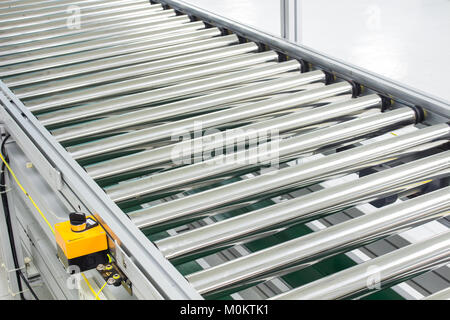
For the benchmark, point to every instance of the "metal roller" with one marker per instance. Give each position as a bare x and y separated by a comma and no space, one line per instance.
59,9
186,106
336,238
208,120
154,23
388,267
161,58
137,70
252,158
159,95
186,88
10,7
317,203
87,14
134,17
98,40
148,82
284,123
298,176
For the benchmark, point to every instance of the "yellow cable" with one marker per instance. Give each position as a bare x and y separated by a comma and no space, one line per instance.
101,289
96,294
26,193
90,287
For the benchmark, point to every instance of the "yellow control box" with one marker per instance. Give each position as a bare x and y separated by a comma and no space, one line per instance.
84,245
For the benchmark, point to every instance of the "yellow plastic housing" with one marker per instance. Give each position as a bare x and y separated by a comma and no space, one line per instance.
78,244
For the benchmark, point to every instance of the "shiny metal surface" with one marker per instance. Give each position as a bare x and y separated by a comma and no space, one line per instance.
147,82
58,8
252,158
208,120
388,266
327,200
11,6
87,14
32,50
282,123
190,105
338,237
119,94
242,92
133,17
110,58
159,95
159,32
298,176
136,70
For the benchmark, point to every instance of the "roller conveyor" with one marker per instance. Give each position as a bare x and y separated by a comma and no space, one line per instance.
139,57
265,153
319,170
212,155
282,123
405,176
89,14
310,246
94,42
159,24
234,114
393,264
148,82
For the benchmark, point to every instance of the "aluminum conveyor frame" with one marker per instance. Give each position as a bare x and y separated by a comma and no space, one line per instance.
47,170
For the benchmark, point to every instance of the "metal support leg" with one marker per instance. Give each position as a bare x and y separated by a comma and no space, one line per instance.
290,20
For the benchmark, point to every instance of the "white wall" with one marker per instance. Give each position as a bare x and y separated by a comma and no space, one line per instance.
405,40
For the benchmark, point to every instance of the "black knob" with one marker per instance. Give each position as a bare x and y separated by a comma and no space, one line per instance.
78,221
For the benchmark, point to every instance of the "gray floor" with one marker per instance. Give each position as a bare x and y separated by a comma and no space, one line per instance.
404,40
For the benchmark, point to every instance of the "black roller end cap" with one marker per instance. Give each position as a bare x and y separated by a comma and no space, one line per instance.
386,103
357,89
329,77
304,65
420,113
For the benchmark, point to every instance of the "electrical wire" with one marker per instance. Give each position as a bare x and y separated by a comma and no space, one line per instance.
5,204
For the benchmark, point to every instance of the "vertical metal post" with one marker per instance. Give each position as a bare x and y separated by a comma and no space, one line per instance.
290,20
